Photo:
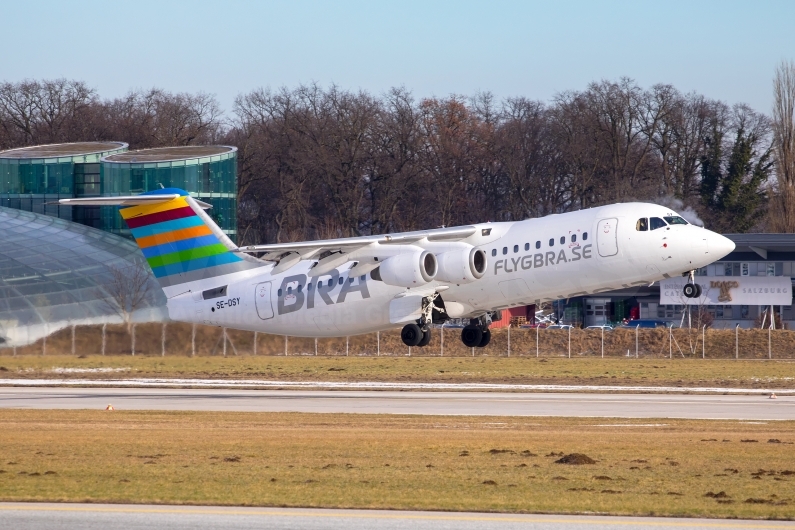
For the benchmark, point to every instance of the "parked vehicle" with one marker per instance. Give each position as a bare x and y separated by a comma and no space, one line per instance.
645,323
605,327
560,326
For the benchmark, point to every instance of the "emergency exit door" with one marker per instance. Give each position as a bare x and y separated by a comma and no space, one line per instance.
262,297
606,237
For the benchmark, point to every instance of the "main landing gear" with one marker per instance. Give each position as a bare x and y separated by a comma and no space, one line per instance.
419,333
477,334
691,288
414,335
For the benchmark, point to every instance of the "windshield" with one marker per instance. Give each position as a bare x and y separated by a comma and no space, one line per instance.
675,220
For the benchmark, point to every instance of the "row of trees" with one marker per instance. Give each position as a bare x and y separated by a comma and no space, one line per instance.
316,163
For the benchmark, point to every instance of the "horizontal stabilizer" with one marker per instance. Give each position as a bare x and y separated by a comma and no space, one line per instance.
129,200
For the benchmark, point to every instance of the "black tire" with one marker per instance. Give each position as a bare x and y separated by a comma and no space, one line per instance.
689,290
471,336
411,334
426,338
485,339
698,291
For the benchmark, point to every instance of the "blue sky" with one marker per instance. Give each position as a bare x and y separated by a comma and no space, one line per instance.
725,50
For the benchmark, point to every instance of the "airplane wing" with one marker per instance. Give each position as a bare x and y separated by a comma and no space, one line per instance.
311,249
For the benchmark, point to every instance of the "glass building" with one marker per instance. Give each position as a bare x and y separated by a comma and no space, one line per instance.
55,273
34,178
208,173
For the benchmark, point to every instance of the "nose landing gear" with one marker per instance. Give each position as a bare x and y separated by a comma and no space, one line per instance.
691,288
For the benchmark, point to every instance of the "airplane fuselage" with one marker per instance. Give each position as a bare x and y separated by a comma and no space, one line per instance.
532,261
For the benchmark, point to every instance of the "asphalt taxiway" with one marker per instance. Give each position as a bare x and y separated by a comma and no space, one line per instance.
613,405
28,516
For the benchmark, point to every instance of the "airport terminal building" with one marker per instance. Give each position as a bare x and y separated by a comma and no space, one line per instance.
752,278
34,178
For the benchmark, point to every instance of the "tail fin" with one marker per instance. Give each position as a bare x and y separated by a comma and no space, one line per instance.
181,242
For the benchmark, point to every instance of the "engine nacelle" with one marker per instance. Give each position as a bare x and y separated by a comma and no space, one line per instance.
461,265
411,269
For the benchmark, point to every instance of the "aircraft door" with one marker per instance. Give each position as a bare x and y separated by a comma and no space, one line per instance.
606,237
262,296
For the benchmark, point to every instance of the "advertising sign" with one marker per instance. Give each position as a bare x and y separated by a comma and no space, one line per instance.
730,290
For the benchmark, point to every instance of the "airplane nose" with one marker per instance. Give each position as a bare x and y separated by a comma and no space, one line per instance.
719,246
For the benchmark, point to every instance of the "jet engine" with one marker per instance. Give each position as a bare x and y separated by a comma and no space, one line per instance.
411,269
461,265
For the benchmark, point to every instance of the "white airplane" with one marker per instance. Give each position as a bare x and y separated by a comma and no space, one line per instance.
356,285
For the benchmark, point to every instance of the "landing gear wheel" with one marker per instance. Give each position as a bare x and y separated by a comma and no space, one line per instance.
411,335
690,290
485,339
471,336
698,291
426,338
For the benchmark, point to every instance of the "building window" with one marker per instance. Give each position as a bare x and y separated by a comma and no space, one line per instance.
771,269
727,269
744,269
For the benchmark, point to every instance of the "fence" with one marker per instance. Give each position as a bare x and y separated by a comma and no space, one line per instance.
187,340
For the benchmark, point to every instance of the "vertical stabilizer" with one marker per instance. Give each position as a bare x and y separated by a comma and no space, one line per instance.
181,242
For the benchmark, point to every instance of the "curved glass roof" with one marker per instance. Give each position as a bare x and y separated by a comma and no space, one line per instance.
54,273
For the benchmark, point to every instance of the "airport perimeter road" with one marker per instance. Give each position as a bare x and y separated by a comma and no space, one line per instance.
117,517
738,407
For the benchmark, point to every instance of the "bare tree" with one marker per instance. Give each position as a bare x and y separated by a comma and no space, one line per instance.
783,206
129,289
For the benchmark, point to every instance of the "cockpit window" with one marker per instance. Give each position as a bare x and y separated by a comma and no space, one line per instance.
642,225
675,220
656,223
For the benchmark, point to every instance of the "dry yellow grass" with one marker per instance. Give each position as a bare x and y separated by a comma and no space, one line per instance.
680,468
517,370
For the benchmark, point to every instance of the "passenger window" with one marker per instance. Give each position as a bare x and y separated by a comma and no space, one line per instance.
300,288
289,290
538,244
563,240
574,238
329,282
350,280
656,223
642,225
551,242
280,292
494,252
527,246
504,250
515,249
309,287
585,236
341,280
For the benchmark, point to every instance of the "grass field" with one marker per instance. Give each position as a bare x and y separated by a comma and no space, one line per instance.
525,370
679,468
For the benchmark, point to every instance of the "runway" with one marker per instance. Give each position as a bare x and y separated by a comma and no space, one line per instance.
734,407
24,516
